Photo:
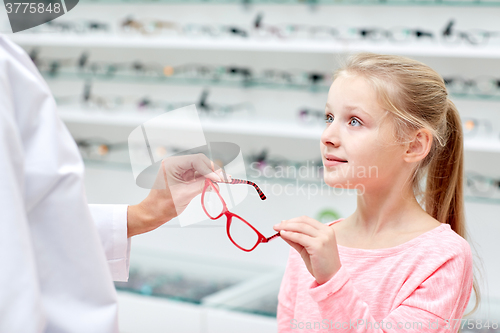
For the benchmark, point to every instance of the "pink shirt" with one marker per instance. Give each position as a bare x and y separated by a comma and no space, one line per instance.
417,286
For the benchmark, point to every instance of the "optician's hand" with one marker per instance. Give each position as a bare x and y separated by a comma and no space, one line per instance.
316,244
179,180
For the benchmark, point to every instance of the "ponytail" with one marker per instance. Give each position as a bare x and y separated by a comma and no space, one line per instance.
444,197
444,191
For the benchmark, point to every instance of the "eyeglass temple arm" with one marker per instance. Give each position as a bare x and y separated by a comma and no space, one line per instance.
241,181
272,237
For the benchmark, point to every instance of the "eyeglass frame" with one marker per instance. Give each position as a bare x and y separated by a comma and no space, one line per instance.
229,215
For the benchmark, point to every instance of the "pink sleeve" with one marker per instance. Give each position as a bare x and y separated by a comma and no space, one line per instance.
286,296
440,298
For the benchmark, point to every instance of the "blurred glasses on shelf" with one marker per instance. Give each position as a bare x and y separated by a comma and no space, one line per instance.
171,284
294,78
308,116
291,31
91,101
222,110
476,127
403,34
206,30
77,26
482,186
278,168
483,86
476,37
241,233
88,100
158,27
193,73
97,149
150,27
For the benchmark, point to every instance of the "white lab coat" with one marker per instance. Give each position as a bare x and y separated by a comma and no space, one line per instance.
56,267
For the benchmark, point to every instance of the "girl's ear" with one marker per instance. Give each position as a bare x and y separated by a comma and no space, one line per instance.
419,147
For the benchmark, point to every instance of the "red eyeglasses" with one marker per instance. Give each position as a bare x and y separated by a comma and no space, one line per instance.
239,231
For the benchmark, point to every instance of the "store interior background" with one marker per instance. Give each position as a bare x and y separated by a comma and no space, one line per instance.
201,254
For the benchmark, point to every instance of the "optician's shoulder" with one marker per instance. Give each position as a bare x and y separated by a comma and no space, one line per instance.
15,57
8,49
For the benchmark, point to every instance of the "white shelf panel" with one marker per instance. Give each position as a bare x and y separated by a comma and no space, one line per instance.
245,127
271,45
483,145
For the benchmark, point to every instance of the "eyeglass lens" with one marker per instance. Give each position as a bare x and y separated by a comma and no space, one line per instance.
242,234
239,231
212,202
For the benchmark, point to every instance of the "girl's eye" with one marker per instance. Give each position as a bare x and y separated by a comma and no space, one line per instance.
356,120
328,118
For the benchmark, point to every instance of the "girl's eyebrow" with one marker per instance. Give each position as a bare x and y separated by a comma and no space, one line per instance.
352,108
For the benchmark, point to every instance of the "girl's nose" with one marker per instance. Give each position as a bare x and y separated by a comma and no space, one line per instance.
330,136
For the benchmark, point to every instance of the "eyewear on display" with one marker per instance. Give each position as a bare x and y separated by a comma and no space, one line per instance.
481,185
97,149
472,126
286,77
172,285
482,86
241,233
77,26
218,110
473,36
244,75
309,116
283,168
150,27
92,101
342,33
211,72
448,34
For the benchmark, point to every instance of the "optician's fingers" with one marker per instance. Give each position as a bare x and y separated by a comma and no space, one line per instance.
299,227
196,166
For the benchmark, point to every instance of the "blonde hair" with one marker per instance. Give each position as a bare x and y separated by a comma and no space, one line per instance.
416,97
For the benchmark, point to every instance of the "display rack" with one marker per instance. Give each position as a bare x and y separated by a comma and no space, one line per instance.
474,3
196,290
268,45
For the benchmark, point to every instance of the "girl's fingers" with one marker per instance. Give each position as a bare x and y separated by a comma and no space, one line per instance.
299,227
298,238
296,246
306,220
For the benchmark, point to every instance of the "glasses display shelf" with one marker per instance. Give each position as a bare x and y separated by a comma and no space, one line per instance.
228,44
245,3
180,283
253,303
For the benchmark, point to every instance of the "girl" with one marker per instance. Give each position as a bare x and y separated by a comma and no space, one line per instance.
391,265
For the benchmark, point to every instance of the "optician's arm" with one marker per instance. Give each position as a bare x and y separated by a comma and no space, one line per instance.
111,223
180,179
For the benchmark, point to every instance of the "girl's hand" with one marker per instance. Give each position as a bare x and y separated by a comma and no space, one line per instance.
315,243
